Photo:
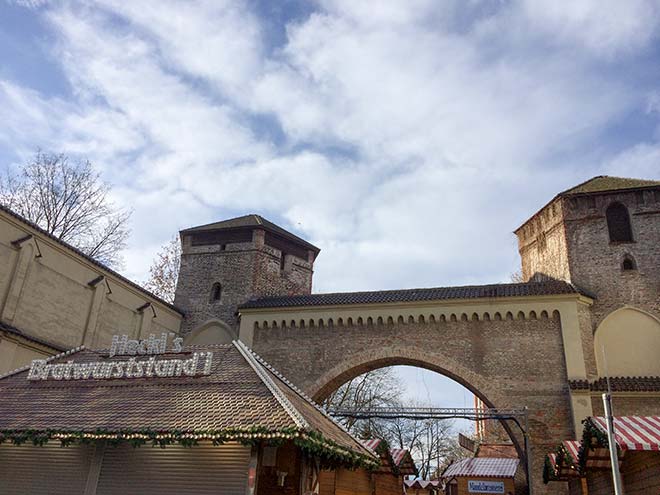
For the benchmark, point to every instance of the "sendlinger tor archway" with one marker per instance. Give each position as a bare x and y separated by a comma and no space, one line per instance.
591,285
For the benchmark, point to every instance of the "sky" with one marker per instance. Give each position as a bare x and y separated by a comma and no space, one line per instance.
407,139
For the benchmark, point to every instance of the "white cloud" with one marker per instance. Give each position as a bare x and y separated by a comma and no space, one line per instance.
605,27
448,130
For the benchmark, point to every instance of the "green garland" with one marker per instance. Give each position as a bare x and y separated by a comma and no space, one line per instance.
549,472
592,438
331,454
383,450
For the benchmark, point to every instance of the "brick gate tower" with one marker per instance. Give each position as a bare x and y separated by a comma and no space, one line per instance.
224,264
604,236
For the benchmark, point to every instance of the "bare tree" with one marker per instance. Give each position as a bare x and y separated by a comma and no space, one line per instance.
70,201
517,277
164,270
374,388
432,443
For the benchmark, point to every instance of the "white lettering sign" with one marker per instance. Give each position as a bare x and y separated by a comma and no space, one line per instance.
198,364
477,486
122,345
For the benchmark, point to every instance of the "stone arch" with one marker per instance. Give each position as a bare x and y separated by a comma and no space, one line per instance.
211,332
357,363
631,339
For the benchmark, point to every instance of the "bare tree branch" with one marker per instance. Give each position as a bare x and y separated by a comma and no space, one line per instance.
164,270
70,201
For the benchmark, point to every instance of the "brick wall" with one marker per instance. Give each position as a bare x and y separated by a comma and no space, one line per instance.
509,363
595,262
542,244
640,475
244,270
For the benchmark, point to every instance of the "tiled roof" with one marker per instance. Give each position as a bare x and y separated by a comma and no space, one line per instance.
251,220
13,330
68,246
241,392
483,466
619,384
542,288
602,183
421,483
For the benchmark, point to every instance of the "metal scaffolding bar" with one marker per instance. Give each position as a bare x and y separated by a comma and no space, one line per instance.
518,416
474,414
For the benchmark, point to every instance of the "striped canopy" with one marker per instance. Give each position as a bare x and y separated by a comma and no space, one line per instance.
633,432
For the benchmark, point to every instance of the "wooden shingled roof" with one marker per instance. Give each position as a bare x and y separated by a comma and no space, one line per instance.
241,395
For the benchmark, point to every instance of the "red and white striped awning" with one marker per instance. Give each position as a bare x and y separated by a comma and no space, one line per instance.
397,455
573,448
371,443
634,432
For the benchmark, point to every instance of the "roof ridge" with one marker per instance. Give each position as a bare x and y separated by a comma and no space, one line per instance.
288,407
89,258
301,394
410,289
48,359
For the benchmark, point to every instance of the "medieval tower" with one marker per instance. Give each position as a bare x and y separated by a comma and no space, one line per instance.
603,236
225,264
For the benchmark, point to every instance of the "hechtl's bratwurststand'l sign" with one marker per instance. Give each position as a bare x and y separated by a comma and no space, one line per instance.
199,363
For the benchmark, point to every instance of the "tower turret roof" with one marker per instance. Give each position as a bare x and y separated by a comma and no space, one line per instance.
252,221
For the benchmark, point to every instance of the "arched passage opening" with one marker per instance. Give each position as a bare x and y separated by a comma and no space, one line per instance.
435,440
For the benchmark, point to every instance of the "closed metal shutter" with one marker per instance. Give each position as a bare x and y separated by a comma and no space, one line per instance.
200,470
47,470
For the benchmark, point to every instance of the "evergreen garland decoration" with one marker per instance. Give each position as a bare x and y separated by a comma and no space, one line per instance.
592,438
330,453
549,471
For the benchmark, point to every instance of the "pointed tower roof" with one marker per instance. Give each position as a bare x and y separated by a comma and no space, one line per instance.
598,185
603,183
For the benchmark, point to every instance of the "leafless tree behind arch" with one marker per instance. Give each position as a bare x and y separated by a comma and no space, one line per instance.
70,201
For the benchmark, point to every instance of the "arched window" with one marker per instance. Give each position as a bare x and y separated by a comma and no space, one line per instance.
618,223
628,263
216,292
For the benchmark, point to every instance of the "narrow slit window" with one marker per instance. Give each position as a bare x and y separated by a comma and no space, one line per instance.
216,292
